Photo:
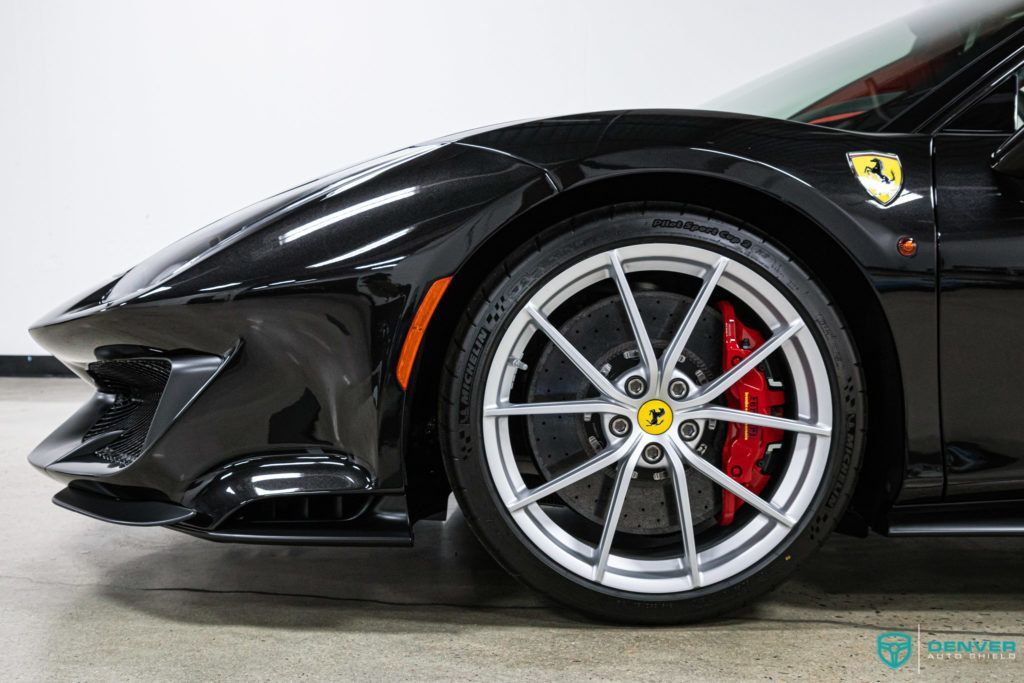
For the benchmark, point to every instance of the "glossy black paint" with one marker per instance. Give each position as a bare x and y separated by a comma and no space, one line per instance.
224,491
302,302
315,343
981,222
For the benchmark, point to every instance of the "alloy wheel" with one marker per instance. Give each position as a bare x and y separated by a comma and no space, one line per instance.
643,414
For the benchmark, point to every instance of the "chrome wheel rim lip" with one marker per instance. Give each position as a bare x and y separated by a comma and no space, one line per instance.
794,490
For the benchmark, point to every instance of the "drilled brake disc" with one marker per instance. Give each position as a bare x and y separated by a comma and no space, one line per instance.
602,333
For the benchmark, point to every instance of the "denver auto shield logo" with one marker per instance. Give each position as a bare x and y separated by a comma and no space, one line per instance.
880,174
894,648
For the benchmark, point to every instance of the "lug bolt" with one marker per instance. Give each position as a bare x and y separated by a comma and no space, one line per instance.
689,430
636,386
652,453
678,389
619,426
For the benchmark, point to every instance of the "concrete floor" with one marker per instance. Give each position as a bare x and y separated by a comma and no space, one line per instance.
84,600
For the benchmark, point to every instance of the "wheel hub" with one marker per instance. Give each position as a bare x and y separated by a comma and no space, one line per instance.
602,333
654,417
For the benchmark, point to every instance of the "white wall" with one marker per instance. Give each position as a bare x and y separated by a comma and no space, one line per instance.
125,124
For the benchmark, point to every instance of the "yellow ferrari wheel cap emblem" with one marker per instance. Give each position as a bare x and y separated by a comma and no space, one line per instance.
880,174
655,417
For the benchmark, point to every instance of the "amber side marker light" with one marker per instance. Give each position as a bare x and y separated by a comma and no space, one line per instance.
906,246
419,326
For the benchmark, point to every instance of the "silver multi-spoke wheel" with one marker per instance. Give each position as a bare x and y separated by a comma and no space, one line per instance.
646,416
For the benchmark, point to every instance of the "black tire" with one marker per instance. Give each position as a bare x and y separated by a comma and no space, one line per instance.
502,295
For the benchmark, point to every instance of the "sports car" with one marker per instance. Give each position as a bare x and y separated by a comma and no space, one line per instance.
657,356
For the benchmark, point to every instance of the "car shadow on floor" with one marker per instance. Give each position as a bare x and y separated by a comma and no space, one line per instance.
912,574
448,581
447,577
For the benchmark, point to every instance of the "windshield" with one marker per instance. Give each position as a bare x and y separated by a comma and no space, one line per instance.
869,80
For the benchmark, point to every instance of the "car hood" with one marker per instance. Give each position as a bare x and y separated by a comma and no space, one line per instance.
546,143
179,256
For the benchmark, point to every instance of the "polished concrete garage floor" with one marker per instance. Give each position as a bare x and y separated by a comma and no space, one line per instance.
83,600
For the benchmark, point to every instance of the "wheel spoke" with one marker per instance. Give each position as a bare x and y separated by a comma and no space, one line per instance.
757,419
682,495
574,315
556,408
670,356
722,383
743,493
581,471
643,340
611,520
600,382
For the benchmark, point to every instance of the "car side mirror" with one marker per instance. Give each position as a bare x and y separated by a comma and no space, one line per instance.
1008,159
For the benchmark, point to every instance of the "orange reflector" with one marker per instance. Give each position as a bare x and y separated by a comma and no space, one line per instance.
906,246
419,326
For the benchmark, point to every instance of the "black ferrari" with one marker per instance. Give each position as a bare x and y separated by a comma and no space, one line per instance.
657,356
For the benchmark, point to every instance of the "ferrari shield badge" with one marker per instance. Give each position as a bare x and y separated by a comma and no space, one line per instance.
880,174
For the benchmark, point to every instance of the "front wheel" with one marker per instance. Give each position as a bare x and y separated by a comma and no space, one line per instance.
652,415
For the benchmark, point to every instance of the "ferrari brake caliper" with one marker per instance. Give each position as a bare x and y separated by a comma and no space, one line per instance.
748,450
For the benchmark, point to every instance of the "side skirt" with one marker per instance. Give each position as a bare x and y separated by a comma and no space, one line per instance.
989,518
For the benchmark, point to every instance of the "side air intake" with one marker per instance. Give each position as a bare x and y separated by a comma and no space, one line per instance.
137,399
136,387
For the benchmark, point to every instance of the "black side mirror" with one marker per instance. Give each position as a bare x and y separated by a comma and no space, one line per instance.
1008,159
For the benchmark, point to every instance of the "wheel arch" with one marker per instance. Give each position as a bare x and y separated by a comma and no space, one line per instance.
819,251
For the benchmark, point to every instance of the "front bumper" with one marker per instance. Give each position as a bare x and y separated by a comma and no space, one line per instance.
173,438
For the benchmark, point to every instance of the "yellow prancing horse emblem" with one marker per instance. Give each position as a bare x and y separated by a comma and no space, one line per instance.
655,417
880,174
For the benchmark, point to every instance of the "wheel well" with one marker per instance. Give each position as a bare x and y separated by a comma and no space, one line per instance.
813,247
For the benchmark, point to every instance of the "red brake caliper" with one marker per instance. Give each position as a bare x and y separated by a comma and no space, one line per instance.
746,446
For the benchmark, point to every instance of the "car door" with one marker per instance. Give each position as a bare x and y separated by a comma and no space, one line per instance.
980,219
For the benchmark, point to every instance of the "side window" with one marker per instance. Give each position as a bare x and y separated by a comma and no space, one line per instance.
1001,111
